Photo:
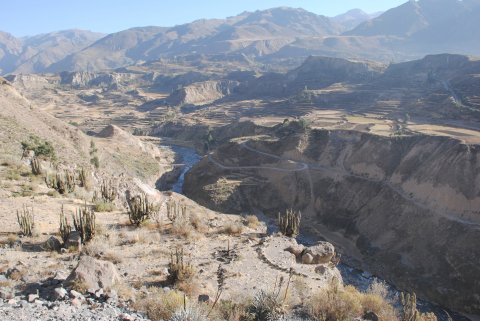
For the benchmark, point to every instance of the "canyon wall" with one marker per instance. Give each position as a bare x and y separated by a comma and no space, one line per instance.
404,208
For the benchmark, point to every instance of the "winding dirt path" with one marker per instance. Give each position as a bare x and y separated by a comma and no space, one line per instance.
308,167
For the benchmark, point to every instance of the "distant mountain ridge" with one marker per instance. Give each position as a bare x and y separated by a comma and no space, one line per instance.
409,31
35,54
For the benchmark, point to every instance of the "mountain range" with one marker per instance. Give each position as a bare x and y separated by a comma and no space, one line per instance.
406,32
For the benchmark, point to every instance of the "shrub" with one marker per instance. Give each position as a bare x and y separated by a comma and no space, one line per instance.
40,147
266,307
100,206
159,304
252,221
233,228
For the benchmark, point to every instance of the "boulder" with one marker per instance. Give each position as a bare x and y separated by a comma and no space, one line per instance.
322,253
94,274
204,298
307,258
52,244
74,240
295,249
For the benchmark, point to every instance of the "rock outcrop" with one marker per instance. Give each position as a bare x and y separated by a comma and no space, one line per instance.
404,208
202,92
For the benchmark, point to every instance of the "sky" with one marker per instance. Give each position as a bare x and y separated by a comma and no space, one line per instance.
31,17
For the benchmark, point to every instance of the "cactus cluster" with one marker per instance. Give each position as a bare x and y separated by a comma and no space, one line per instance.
108,191
62,182
289,223
65,227
409,309
26,220
84,222
140,208
84,178
36,167
175,210
178,269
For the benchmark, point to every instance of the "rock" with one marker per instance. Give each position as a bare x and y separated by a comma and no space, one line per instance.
126,317
320,269
13,273
3,278
52,244
95,274
76,302
39,302
12,302
295,249
371,316
32,297
76,294
307,258
322,253
99,293
74,240
6,294
112,294
60,294
203,298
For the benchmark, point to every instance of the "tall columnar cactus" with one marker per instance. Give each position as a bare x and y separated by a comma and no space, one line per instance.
61,182
84,178
65,227
175,210
178,269
140,208
409,304
289,223
108,191
26,220
84,222
70,181
36,167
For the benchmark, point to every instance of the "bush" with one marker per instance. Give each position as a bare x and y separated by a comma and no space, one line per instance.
347,303
233,229
40,147
158,304
101,206
252,221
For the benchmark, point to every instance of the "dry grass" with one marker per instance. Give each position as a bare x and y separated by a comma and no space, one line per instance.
347,303
112,257
80,286
233,228
6,284
159,304
198,224
252,221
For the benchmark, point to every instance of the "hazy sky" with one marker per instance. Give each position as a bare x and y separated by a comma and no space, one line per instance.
30,17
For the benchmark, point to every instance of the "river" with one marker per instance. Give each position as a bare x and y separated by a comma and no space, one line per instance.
351,276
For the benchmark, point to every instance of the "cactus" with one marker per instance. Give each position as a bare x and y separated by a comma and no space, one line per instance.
84,178
409,304
70,181
61,183
84,222
65,227
289,224
26,220
140,208
179,270
36,167
175,210
108,191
